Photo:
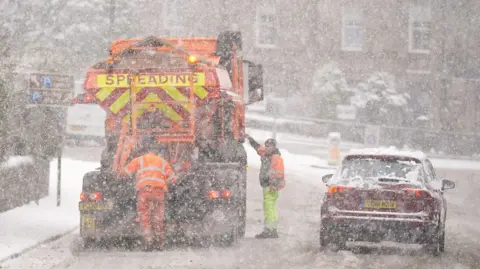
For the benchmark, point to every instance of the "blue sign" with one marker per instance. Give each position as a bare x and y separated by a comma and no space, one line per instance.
372,139
46,81
36,97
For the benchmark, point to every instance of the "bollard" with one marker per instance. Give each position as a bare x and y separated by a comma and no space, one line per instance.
334,148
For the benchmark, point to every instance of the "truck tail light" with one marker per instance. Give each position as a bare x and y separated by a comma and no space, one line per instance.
214,194
83,196
97,196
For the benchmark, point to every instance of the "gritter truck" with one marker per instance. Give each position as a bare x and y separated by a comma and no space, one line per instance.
190,93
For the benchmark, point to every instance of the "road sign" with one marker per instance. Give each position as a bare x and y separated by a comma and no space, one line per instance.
46,81
36,97
50,89
372,136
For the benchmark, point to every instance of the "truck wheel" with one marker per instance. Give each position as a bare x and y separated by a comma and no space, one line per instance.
80,244
243,219
231,238
243,208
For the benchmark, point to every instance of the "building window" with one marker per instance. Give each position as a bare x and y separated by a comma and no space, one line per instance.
352,29
419,64
420,102
419,29
172,18
265,24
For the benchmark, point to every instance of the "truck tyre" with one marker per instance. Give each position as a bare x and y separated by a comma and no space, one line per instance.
235,152
243,208
229,239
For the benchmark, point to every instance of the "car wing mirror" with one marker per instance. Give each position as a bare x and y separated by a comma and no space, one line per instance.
326,178
447,184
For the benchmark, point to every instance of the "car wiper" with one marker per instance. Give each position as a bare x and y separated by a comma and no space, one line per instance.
392,179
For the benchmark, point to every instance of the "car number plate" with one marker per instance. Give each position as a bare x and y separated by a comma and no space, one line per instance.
93,206
379,204
88,221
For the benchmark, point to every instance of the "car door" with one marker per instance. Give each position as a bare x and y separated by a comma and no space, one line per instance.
436,186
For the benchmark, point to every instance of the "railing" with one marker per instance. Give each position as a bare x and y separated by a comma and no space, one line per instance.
436,143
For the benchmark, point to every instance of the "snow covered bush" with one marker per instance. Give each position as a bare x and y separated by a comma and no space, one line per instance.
378,100
329,89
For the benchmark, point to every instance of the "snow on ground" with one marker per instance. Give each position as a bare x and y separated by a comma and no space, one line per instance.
24,227
260,117
28,225
262,135
306,160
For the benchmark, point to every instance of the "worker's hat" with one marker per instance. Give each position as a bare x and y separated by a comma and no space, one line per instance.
271,142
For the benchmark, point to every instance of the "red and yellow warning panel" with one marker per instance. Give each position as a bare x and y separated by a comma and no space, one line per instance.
168,93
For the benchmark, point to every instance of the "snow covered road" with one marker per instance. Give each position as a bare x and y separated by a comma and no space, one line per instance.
298,245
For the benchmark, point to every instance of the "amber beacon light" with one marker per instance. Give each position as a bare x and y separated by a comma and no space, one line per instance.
192,59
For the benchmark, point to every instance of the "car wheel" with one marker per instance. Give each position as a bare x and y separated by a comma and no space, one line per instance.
442,241
432,246
330,236
323,239
340,243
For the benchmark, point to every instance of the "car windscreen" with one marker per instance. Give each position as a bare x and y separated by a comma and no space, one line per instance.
379,167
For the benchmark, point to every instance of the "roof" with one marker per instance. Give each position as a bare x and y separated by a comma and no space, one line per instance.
390,151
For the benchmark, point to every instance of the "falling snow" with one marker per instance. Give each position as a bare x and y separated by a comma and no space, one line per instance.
391,79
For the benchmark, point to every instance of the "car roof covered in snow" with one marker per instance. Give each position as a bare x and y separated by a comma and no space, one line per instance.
390,151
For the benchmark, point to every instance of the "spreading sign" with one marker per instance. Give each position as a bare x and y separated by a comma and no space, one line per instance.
150,80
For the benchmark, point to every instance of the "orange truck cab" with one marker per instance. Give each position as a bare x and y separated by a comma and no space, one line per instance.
190,93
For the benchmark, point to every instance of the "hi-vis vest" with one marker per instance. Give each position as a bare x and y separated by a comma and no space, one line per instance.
150,169
272,171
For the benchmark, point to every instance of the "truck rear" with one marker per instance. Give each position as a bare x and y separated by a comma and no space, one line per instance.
190,94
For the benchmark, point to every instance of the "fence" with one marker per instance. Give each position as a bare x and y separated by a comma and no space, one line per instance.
436,142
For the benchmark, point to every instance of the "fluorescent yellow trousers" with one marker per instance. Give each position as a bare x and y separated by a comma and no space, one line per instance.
270,208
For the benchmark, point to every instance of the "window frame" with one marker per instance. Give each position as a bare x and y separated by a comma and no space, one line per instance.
412,28
359,16
265,10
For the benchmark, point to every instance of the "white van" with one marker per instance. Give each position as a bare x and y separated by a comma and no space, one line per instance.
85,122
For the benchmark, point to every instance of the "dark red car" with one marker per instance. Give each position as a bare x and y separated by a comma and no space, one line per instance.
385,195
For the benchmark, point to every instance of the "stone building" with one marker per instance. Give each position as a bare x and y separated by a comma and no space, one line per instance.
430,46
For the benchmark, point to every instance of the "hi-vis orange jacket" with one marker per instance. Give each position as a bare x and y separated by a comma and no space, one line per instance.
150,169
272,170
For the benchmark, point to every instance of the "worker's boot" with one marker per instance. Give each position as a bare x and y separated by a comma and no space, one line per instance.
148,244
267,233
159,244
